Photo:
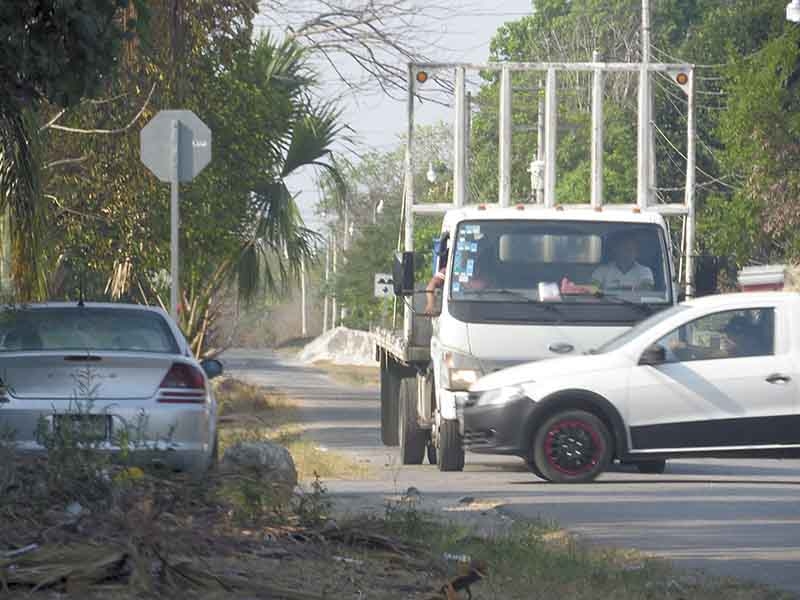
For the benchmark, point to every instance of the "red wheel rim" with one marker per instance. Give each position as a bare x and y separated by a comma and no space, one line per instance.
573,447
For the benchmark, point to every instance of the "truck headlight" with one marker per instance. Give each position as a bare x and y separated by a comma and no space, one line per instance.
501,396
461,379
460,371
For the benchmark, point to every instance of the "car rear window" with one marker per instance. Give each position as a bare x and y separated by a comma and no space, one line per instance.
85,329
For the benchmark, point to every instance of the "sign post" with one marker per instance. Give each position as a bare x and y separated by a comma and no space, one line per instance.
175,145
384,285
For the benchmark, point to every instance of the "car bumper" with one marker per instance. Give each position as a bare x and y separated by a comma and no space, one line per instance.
497,429
145,432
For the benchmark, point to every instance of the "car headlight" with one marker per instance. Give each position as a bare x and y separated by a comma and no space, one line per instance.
501,396
460,371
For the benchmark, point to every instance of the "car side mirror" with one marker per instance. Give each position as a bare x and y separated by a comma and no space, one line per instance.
212,367
654,355
403,274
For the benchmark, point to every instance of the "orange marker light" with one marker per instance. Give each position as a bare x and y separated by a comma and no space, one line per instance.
422,77
682,78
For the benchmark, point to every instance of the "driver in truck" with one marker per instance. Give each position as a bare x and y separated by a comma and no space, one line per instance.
623,272
478,280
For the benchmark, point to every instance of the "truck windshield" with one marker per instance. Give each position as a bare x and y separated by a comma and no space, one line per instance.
593,271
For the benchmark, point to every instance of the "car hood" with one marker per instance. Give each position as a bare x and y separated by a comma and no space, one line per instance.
549,369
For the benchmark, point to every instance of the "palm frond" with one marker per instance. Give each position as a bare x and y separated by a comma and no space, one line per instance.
20,198
313,137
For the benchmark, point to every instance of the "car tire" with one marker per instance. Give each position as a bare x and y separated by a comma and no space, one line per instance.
573,446
534,469
450,453
413,439
215,452
652,467
390,389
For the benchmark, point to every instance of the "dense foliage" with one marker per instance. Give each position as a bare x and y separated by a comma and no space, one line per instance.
107,216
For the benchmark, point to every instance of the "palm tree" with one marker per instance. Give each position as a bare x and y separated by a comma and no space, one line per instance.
275,242
20,200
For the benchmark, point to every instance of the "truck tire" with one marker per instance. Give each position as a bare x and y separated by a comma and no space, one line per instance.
573,446
432,455
450,453
390,391
413,439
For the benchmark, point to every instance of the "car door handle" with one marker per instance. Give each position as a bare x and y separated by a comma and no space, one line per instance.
778,378
561,347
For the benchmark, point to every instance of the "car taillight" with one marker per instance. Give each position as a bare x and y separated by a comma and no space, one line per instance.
182,384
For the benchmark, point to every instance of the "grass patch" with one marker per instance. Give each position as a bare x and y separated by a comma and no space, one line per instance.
311,460
537,561
254,413
351,375
238,397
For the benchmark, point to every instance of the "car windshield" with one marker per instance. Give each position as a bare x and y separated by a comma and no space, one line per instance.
560,261
636,330
84,330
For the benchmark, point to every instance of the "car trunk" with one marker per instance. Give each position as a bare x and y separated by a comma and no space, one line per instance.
64,376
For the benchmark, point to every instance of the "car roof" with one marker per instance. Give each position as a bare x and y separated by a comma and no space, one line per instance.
87,305
738,299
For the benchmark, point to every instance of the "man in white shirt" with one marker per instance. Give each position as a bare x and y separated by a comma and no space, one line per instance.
623,272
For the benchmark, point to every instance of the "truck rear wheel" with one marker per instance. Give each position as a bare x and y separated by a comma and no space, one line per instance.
390,390
450,453
413,439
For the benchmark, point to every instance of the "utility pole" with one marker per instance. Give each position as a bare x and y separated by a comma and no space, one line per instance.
333,299
303,313
644,137
326,299
345,248
539,179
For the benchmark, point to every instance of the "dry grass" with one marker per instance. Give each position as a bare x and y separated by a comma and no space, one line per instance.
351,375
238,397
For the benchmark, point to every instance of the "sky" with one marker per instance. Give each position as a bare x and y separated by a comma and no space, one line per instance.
378,120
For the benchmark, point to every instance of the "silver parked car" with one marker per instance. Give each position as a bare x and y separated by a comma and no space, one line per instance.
124,372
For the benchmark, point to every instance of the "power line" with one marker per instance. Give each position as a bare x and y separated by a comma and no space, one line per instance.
709,175
669,56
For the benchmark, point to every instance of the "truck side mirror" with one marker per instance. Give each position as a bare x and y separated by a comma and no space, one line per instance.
403,274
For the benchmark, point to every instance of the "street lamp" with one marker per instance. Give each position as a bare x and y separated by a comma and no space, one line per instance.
793,11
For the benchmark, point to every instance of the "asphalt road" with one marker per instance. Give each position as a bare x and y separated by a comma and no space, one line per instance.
730,518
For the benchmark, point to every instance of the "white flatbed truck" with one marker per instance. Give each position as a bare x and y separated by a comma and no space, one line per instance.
520,282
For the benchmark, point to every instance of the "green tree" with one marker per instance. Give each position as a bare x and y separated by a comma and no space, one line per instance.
240,225
50,52
380,176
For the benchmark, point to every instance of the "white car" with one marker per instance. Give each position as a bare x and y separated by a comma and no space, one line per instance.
121,373
712,377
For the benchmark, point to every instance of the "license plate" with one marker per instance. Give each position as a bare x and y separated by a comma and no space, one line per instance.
89,428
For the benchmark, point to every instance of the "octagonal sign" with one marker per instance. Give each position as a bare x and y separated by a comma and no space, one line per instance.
194,144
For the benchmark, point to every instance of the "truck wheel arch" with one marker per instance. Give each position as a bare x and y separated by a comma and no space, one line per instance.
578,399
